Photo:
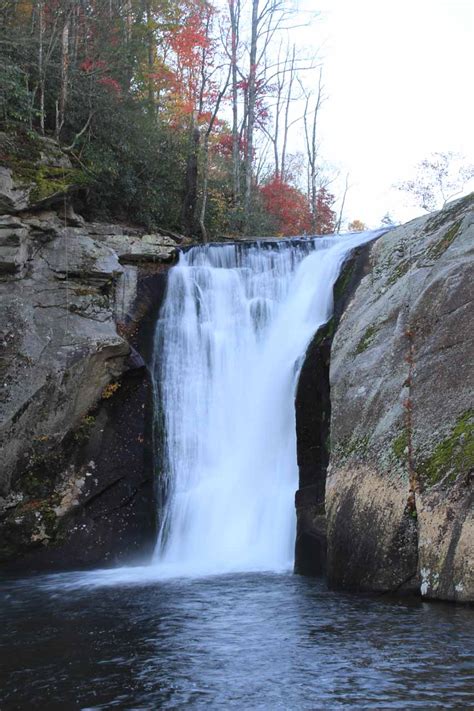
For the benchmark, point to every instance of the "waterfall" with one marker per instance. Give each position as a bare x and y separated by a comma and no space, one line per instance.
229,345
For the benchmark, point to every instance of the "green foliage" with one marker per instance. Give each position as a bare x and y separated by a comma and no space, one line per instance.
15,96
129,154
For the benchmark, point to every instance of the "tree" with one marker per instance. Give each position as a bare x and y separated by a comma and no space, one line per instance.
439,178
343,202
387,220
325,215
288,206
310,120
134,91
357,226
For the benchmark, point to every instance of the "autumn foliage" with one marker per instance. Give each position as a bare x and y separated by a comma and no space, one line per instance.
153,103
325,218
288,206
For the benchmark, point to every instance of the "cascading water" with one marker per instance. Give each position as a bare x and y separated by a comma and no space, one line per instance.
229,345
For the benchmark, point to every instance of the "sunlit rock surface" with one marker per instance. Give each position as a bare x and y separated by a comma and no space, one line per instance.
402,393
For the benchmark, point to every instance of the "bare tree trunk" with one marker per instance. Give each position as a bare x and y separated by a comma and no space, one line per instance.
190,190
61,104
289,97
205,169
150,58
343,202
310,130
252,97
40,64
234,11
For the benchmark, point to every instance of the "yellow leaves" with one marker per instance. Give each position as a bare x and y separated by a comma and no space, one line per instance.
109,390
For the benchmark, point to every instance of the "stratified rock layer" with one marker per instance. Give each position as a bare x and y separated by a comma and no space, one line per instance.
76,484
399,485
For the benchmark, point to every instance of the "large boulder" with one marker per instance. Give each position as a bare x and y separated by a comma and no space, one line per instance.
399,485
35,172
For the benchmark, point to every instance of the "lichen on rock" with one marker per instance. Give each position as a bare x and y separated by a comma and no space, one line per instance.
409,400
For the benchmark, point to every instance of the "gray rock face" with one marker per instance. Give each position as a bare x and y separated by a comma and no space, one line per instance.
145,248
13,196
70,387
399,486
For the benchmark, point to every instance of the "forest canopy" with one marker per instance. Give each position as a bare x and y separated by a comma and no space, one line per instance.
176,113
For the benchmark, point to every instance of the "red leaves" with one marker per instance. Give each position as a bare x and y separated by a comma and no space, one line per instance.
91,65
325,216
292,211
288,205
111,84
98,66
189,40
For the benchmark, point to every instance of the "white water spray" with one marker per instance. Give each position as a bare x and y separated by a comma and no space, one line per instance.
229,345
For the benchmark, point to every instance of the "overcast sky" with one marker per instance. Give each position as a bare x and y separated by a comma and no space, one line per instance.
399,79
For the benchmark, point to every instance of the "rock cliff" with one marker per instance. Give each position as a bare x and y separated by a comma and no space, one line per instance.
383,409
76,484
399,485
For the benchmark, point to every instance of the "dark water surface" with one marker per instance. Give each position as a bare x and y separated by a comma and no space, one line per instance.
254,641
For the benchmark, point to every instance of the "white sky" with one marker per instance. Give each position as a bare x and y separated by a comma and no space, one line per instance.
399,80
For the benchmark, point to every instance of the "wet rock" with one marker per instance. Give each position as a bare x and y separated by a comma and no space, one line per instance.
313,416
74,390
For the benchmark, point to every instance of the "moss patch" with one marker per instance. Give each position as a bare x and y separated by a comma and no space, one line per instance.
22,153
399,446
354,447
437,249
399,271
366,339
452,457
344,279
46,181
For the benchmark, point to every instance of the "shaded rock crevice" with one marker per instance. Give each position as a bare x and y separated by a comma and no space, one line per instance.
313,417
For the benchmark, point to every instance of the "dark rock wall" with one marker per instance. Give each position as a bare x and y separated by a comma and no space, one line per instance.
313,416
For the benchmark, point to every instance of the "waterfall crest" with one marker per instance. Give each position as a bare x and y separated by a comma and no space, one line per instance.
229,344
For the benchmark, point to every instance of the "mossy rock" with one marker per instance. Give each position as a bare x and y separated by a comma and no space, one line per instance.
47,182
400,446
453,456
353,448
38,165
367,338
440,247
400,270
